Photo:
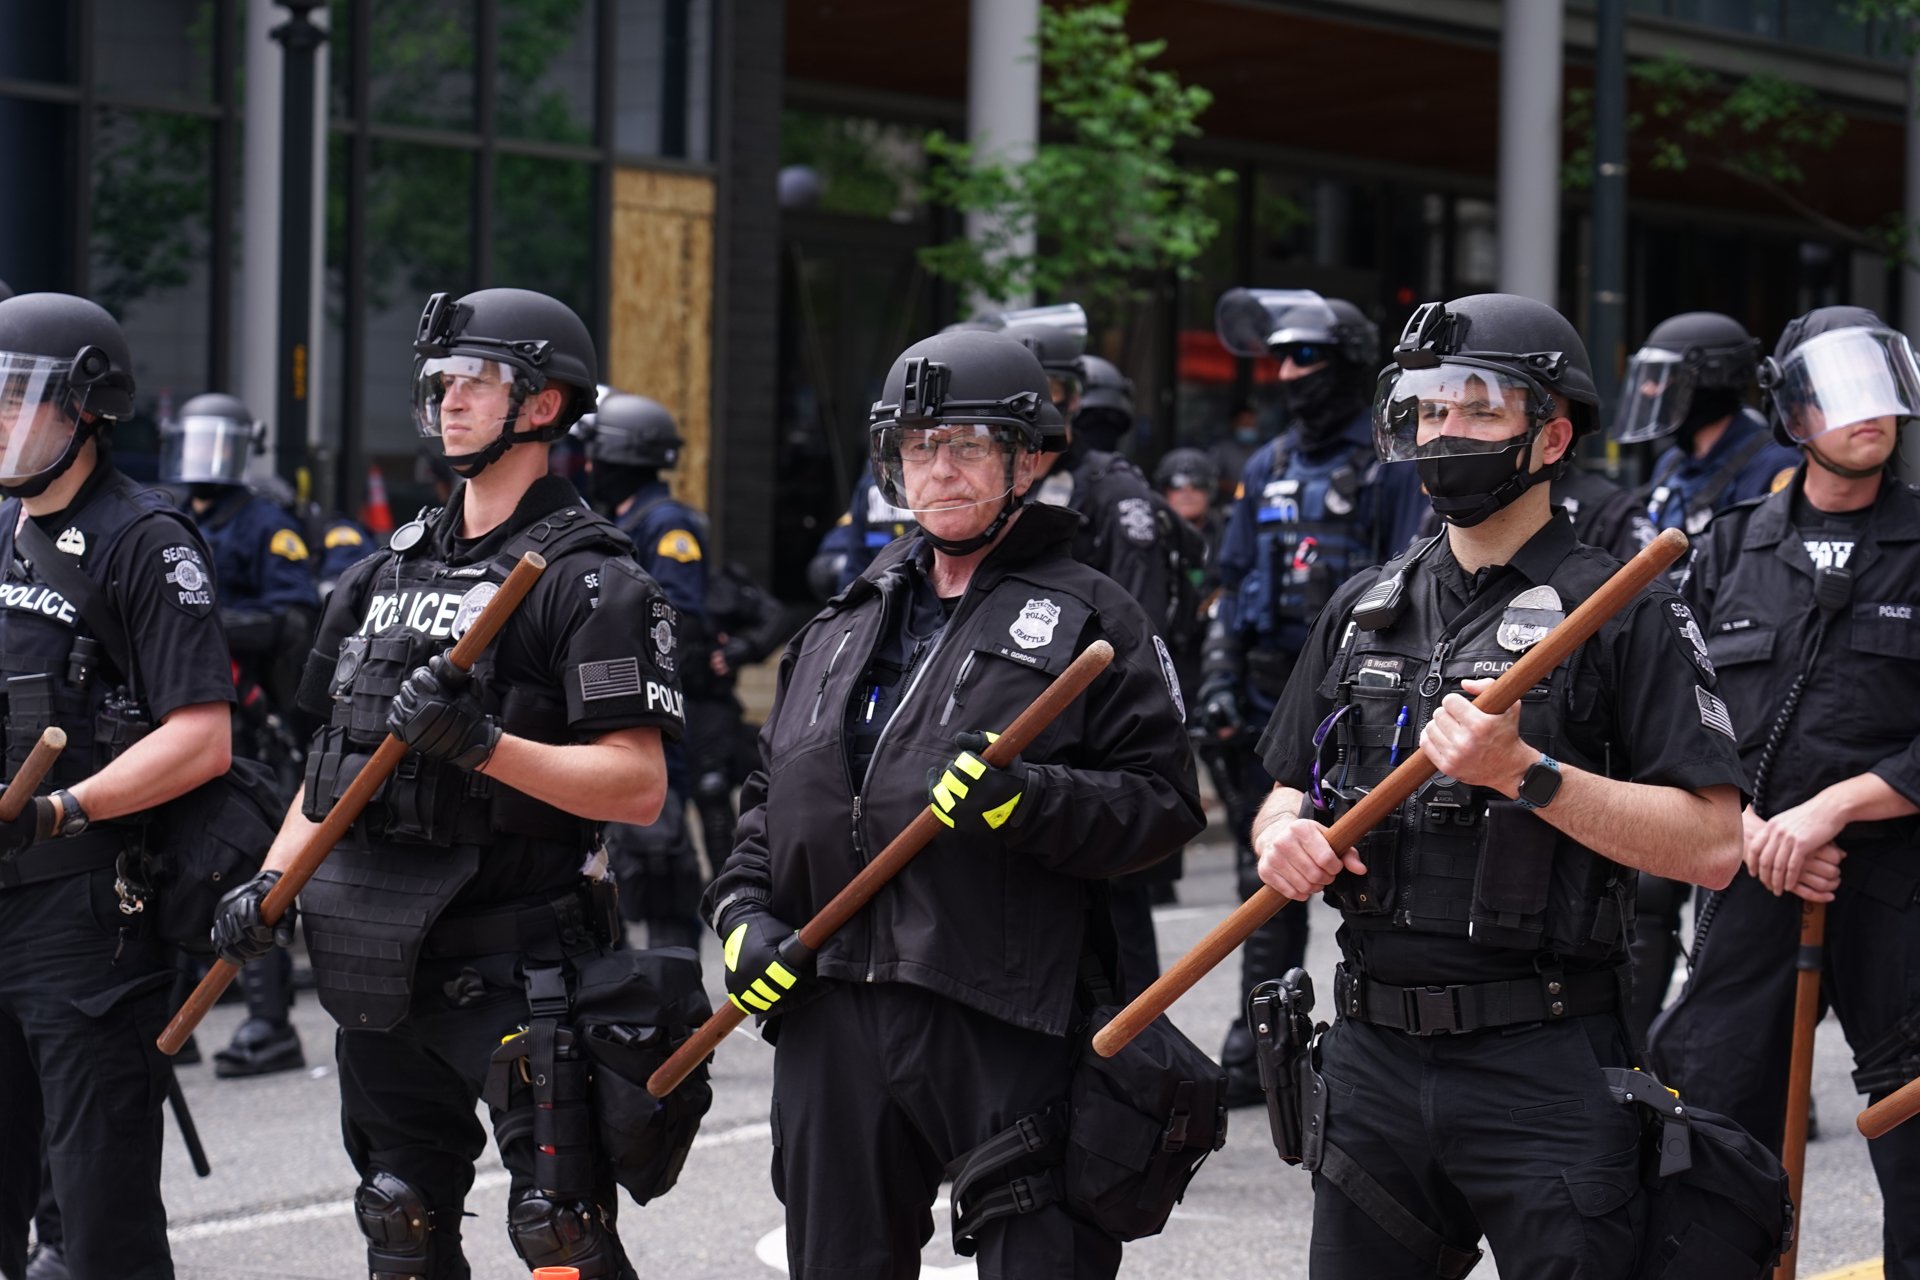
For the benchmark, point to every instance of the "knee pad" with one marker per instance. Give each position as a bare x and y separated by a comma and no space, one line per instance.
398,1224
565,1233
712,787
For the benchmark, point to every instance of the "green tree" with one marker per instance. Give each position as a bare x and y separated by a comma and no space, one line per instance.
1109,204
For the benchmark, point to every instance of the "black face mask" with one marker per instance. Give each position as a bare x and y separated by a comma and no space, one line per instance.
207,491
610,484
1709,404
1466,488
1319,406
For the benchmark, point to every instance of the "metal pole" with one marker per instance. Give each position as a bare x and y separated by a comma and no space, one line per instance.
301,39
1003,99
1607,321
1531,34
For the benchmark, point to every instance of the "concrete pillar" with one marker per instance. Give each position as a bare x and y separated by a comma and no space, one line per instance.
1003,97
257,324
1908,463
1529,217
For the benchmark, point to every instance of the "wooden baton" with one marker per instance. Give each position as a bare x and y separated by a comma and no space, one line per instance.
1532,666
1806,1017
1067,686
53,740
333,828
1898,1107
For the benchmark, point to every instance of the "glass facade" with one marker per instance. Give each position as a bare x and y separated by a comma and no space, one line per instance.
472,143
1827,25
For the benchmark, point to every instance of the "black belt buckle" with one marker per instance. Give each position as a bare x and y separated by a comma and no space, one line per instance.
1432,1011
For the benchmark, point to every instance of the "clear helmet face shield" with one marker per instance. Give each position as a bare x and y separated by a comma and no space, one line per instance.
1842,378
1654,396
207,450
1455,408
945,466
39,414
1252,322
465,401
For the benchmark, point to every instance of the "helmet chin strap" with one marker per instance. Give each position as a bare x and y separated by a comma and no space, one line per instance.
35,485
469,465
1846,473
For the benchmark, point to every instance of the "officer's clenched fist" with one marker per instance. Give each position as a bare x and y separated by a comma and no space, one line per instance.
438,714
765,961
1295,858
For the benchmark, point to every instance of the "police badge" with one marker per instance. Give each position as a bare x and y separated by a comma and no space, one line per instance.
1529,616
1033,629
470,606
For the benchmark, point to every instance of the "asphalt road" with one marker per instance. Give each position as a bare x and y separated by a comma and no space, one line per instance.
279,1201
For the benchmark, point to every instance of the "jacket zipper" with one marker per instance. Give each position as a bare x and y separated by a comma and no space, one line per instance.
1430,686
959,687
820,692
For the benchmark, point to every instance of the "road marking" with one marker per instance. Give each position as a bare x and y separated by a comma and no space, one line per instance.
269,1219
1870,1270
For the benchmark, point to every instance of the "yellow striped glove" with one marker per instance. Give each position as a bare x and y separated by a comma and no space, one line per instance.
968,794
765,960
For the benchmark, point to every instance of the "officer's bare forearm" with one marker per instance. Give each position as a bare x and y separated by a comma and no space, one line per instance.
619,777
1667,831
1281,805
295,830
1866,797
194,743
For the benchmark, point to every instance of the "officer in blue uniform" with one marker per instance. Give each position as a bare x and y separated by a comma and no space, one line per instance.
869,523
99,566
1314,508
629,441
263,582
1687,387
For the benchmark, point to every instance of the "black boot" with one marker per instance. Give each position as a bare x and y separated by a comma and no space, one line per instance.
265,1042
1243,1072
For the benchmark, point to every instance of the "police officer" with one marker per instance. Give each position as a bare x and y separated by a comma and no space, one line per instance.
263,578
1231,453
1686,389
1314,508
450,913
629,441
1808,601
1688,386
99,566
1485,924
1105,415
869,523
946,1010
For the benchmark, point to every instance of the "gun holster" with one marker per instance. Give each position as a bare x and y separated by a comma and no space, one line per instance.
1280,1013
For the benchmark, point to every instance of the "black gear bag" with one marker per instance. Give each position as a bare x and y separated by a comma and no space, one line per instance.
1133,1132
1718,1207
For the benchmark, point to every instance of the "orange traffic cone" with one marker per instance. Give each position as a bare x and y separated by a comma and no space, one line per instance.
374,512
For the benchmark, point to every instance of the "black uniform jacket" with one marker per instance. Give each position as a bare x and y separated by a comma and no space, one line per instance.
1752,583
994,922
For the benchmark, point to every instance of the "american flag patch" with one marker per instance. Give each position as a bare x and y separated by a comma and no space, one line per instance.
1713,712
615,679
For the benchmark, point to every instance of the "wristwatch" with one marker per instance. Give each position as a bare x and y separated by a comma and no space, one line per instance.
73,819
1540,784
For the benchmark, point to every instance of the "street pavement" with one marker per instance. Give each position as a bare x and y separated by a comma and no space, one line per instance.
279,1203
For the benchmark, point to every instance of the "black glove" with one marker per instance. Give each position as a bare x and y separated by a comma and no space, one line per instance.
1219,705
766,961
438,714
968,794
239,934
34,824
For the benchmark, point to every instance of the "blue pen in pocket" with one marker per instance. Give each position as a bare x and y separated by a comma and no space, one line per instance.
1399,733
873,700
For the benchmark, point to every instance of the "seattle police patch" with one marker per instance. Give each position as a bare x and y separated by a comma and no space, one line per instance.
1684,625
187,574
1136,518
662,630
1172,678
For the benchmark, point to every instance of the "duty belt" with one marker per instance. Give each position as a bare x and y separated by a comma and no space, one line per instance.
53,859
1477,1006
567,918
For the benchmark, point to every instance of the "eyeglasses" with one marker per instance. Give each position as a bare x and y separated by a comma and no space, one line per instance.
1301,353
921,450
1320,736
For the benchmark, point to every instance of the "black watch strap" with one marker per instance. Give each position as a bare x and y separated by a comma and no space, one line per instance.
73,818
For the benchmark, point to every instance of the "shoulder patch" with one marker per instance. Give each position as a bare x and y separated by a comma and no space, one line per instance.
343,535
190,586
1781,479
1687,628
288,545
1713,712
678,545
1136,518
1172,678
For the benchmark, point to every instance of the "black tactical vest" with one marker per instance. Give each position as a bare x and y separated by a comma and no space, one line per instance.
57,671
369,906
1455,860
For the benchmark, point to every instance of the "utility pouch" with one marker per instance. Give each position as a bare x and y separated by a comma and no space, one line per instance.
121,722
333,762
1279,1011
562,1119
203,843
1514,874
1719,1208
1371,894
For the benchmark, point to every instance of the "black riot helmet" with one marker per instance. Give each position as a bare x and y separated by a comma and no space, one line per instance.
1834,367
63,365
1105,415
969,378
1471,385
630,431
510,343
1187,469
1312,331
1693,369
1057,336
210,442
